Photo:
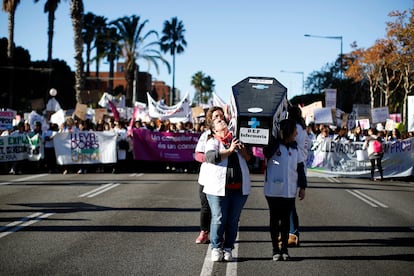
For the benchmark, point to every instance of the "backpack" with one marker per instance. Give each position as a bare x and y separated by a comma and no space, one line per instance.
377,145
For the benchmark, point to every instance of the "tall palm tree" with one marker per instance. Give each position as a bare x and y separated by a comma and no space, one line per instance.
133,47
100,41
197,82
88,36
113,53
76,13
173,41
10,7
50,9
208,87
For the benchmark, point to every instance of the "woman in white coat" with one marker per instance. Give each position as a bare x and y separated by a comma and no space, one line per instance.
227,185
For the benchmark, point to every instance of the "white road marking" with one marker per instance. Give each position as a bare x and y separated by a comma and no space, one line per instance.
231,269
332,179
100,190
370,198
207,268
23,179
367,199
136,174
26,221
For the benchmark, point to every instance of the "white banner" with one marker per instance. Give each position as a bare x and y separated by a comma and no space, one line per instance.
163,112
410,113
344,159
85,147
20,147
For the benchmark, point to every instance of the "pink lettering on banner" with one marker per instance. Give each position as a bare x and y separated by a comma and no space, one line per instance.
164,146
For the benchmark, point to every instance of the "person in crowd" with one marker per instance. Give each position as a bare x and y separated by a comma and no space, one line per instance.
227,185
303,142
49,148
357,135
373,144
122,145
395,135
285,175
342,135
17,166
213,113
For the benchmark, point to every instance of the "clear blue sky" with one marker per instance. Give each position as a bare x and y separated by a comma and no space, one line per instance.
227,40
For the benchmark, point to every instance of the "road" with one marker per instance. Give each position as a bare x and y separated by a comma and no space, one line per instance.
146,224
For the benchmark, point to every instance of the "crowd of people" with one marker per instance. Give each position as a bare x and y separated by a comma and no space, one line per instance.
224,167
122,129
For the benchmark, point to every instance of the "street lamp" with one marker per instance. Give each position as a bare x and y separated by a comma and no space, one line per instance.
303,78
331,37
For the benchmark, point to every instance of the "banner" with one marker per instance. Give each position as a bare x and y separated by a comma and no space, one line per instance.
341,159
20,147
85,147
157,110
164,146
6,119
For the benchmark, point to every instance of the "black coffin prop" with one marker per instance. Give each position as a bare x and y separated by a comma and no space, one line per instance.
257,106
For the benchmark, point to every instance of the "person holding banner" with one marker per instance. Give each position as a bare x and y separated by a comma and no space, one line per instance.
373,144
285,178
227,185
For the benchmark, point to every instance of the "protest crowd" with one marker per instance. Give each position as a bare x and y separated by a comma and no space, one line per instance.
143,143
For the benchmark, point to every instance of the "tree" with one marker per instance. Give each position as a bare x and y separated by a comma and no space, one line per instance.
401,32
50,9
100,41
10,7
76,12
113,53
204,85
173,41
197,82
134,47
88,36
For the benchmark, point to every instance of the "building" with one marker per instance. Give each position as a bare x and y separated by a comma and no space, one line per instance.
95,87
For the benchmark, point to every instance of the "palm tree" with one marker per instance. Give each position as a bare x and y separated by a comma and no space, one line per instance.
173,41
88,36
100,41
133,47
208,87
10,7
197,82
50,9
113,53
76,13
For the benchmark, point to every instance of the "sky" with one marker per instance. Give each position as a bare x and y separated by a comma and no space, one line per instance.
226,40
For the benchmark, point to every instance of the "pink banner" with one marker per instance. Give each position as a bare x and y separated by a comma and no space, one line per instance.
164,146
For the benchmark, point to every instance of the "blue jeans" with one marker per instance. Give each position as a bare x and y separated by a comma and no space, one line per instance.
225,215
294,222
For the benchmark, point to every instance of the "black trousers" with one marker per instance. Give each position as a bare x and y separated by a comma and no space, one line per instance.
205,212
280,209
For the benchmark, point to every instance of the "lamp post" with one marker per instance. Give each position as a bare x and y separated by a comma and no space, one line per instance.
332,37
341,65
296,72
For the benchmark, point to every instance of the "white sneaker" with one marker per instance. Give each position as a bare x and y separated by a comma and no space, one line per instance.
216,255
227,255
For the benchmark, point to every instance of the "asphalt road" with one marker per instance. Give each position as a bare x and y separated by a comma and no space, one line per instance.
146,224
